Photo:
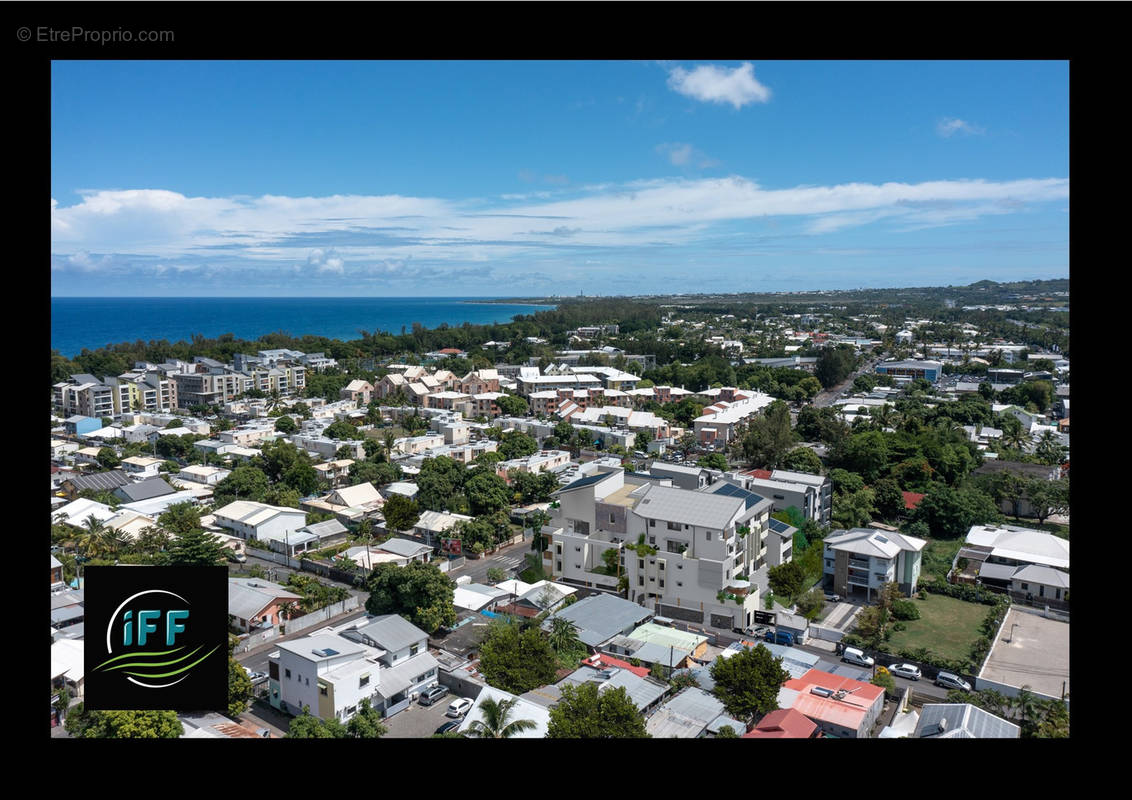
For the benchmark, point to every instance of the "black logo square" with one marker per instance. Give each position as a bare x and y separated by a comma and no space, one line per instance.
156,638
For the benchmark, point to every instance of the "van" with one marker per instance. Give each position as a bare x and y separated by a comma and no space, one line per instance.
858,657
781,637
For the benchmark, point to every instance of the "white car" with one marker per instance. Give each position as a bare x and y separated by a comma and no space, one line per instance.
458,708
909,671
949,680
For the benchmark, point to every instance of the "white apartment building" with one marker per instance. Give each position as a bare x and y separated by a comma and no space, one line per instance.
706,542
864,559
383,659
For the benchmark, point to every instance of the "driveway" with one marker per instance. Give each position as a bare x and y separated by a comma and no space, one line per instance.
417,721
511,559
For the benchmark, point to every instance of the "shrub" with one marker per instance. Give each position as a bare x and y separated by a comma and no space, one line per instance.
904,610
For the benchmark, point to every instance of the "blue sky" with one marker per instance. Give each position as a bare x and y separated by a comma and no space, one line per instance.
540,178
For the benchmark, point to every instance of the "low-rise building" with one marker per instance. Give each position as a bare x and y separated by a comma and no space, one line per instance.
864,559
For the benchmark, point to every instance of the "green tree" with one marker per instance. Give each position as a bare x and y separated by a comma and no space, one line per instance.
440,485
123,724
517,445
401,513
1047,497
487,493
889,499
563,635
108,458
366,723
512,406
714,461
245,483
517,662
419,592
497,722
802,459
886,682
1049,450
239,688
786,579
853,509
950,513
378,474
306,726
196,548
769,437
286,424
341,429
585,713
747,684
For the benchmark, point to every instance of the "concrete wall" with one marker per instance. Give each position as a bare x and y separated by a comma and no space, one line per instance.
323,615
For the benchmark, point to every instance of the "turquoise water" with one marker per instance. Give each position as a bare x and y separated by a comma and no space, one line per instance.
93,322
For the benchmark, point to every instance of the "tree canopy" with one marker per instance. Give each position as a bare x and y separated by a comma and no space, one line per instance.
517,662
419,592
747,684
585,713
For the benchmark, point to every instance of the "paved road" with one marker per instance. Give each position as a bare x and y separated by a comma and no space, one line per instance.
511,559
826,398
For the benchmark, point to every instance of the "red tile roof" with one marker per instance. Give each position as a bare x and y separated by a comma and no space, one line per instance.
849,712
602,660
450,350
762,474
912,499
785,723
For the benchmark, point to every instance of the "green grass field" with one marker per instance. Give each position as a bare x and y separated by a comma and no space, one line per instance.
937,558
947,627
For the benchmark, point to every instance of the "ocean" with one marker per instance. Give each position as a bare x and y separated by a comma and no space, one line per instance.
93,322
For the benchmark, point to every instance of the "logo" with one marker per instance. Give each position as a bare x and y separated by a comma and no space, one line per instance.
161,639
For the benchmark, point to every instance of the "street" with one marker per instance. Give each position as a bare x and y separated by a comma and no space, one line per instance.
825,398
511,559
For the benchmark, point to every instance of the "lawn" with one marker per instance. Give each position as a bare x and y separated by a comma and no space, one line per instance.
938,557
948,627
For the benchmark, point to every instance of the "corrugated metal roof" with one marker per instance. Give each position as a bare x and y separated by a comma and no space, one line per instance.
964,721
687,507
602,616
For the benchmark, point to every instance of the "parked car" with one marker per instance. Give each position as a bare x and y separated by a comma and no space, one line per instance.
949,680
781,637
448,726
856,656
432,694
832,598
909,671
458,708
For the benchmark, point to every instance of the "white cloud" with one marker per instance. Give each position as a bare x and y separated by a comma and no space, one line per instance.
318,235
713,84
681,154
950,126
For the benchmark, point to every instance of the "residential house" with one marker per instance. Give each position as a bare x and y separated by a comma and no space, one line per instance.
56,574
252,520
601,617
841,707
962,721
68,666
784,723
644,691
719,421
864,559
383,659
432,526
254,603
1016,559
359,391
98,482
146,490
691,714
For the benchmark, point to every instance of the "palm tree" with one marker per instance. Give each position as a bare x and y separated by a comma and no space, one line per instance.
93,539
563,634
494,724
1027,704
387,440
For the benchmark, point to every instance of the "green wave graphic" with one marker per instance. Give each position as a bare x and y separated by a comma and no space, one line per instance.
138,655
176,671
153,663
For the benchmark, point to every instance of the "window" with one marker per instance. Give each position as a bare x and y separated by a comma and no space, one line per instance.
577,549
559,567
652,540
640,563
323,691
679,566
675,526
558,549
288,673
414,649
577,566
1025,587
679,583
363,681
661,565
611,519
662,583
707,535
652,523
640,580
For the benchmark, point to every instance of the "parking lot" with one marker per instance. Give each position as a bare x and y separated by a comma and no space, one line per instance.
417,721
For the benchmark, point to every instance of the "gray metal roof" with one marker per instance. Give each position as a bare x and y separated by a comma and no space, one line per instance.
100,481
145,490
963,721
602,616
690,508
685,716
404,547
59,615
322,530
392,632
249,596
578,484
399,678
